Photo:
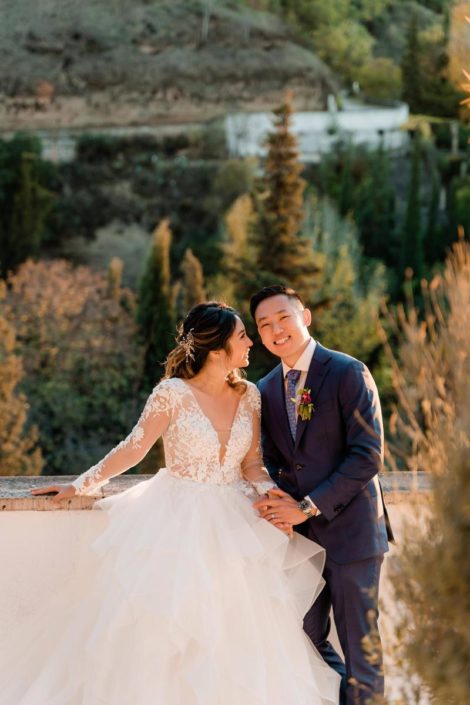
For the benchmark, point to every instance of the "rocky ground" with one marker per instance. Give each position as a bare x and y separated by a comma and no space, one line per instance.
113,62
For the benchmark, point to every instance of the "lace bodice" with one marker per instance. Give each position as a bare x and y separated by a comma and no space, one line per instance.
193,449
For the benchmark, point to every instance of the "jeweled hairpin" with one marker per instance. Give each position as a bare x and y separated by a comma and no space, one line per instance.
187,343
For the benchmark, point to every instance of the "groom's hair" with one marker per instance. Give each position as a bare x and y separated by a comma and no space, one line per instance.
274,290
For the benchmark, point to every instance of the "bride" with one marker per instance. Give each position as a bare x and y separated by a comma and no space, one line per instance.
195,599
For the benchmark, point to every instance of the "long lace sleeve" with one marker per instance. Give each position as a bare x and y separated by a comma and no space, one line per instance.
152,423
253,470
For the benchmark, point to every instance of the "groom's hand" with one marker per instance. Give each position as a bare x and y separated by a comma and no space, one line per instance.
279,508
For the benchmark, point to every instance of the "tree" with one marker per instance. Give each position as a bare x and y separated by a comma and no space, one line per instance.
155,313
433,230
19,453
345,46
352,286
238,278
25,201
412,239
283,254
192,286
82,361
374,208
411,67
380,78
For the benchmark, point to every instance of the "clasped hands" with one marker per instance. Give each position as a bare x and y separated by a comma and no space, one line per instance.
281,510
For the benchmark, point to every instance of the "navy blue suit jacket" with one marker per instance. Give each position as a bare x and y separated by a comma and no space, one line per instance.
335,457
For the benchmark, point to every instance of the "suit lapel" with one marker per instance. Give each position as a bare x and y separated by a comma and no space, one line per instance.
277,401
316,375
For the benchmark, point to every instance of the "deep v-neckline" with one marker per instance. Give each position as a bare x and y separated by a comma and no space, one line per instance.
201,411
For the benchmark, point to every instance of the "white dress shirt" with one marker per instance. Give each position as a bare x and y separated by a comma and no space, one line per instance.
302,364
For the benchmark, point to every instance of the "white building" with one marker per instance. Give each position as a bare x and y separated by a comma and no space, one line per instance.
318,132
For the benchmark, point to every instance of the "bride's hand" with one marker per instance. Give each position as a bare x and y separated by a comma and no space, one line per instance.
63,491
286,529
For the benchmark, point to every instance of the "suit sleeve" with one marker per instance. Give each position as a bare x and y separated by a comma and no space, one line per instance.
272,459
362,417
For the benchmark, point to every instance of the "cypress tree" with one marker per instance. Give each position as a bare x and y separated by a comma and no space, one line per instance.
192,289
31,203
19,454
433,231
283,254
374,209
155,312
346,191
412,241
114,276
411,67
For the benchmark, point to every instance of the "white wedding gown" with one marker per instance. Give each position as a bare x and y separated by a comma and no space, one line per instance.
194,599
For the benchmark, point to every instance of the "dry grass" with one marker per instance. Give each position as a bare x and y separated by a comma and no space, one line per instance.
431,425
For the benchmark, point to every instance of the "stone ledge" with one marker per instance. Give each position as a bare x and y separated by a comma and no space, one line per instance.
15,490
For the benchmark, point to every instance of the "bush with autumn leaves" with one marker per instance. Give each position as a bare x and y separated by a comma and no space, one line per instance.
77,346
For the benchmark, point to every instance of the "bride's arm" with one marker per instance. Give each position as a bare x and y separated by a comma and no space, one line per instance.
152,423
253,470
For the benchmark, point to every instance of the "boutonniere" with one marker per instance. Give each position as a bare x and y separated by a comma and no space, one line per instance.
305,404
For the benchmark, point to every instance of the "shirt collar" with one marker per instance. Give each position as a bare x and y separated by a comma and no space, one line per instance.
303,363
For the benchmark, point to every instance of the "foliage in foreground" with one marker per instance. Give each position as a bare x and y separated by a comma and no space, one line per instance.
432,422
78,342
19,454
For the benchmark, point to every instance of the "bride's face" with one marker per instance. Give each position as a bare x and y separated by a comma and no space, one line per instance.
240,345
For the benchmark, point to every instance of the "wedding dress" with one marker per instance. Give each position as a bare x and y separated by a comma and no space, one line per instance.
194,599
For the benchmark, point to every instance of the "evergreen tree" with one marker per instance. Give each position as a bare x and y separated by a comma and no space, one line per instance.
155,312
19,454
346,186
374,209
238,278
411,67
283,254
192,289
115,270
433,231
412,239
25,203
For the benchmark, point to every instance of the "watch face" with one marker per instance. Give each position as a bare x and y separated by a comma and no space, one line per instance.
305,507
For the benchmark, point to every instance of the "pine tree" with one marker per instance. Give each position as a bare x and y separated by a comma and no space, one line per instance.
412,242
411,67
192,289
19,454
283,254
155,312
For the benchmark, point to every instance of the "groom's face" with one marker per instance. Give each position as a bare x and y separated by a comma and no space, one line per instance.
283,323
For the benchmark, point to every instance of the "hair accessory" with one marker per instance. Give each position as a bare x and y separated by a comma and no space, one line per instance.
187,343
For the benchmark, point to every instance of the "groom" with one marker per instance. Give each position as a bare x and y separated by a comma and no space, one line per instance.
325,459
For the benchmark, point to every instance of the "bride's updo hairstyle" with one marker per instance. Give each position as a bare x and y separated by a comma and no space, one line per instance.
207,327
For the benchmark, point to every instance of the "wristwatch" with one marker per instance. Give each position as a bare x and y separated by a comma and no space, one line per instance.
306,508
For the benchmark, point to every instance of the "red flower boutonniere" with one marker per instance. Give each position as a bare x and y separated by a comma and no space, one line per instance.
305,404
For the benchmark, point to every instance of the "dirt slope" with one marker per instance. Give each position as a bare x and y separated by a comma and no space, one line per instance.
116,62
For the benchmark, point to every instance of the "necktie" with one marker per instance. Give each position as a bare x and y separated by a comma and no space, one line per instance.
292,379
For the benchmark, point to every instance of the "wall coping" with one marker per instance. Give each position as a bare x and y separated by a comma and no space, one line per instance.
15,494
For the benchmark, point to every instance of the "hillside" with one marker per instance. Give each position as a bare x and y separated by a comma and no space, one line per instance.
64,63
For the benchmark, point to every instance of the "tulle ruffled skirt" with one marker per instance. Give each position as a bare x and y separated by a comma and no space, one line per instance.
190,599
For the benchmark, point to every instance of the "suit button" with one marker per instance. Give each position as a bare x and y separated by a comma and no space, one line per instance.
338,507
298,466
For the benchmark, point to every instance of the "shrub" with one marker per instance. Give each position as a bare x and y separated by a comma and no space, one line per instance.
77,339
431,427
